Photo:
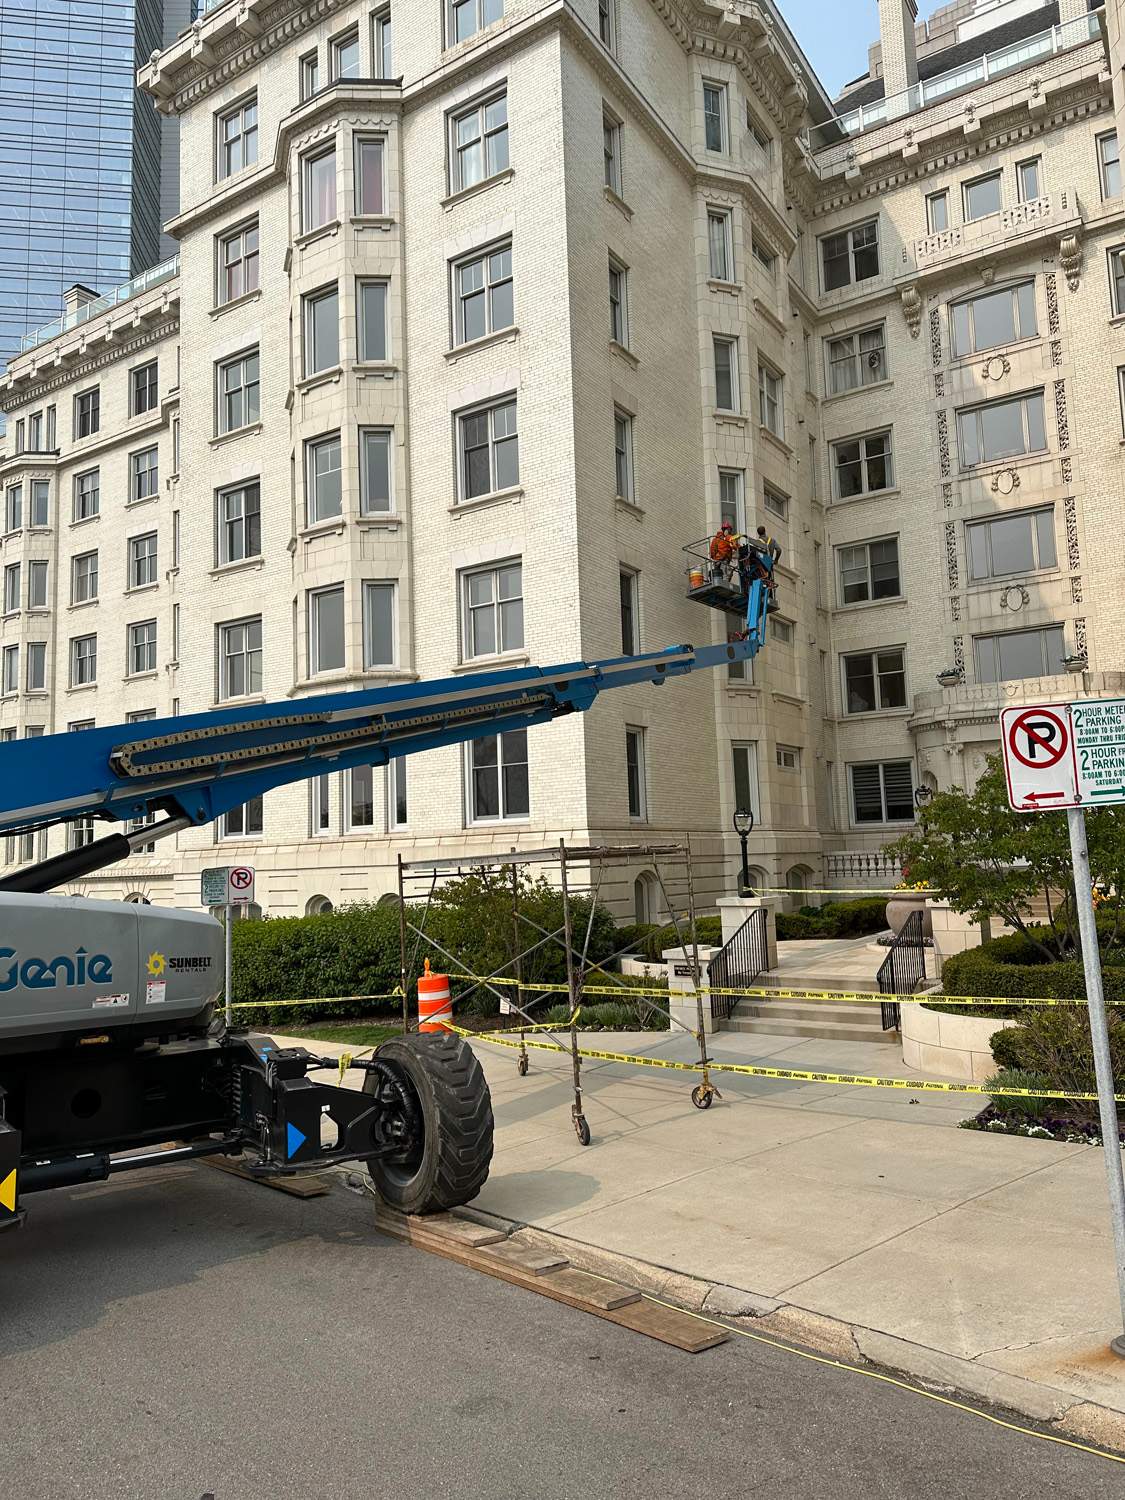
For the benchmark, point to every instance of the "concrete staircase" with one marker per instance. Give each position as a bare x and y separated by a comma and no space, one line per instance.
826,1019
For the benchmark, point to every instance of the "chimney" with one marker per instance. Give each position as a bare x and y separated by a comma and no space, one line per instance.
77,296
897,19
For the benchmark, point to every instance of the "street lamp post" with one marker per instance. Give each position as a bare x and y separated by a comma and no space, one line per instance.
744,827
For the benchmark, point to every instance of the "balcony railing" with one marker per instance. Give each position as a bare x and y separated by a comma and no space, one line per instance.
1019,221
166,271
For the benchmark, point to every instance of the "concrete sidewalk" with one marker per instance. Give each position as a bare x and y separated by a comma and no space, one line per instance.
991,1255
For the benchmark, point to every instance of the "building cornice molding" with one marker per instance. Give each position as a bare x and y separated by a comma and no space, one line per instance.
54,375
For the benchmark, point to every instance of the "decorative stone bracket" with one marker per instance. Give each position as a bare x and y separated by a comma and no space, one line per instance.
912,309
1070,260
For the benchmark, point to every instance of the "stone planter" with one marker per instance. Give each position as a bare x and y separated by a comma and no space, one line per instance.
950,1045
899,908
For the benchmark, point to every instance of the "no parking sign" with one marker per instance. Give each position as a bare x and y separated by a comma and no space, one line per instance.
1038,746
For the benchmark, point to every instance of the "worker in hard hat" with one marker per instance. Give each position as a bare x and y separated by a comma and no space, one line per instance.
724,555
764,554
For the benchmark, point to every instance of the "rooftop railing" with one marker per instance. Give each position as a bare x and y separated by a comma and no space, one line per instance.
93,309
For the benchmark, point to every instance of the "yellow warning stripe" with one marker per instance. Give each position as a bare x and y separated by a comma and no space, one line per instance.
8,1192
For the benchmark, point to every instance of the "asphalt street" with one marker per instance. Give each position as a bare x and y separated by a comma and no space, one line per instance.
183,1335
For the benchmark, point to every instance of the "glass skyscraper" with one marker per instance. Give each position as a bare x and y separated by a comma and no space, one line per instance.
80,151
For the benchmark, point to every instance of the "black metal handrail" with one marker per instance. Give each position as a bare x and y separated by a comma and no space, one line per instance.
903,969
739,963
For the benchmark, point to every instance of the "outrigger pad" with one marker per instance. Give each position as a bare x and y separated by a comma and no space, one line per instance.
722,597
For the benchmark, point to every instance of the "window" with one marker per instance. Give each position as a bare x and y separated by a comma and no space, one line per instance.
1109,165
143,393
1020,543
37,585
605,22
851,256
1029,179
635,773
397,805
715,116
36,668
322,330
13,508
326,630
144,475
761,145
467,17
310,75
623,455
80,831
239,393
323,478
87,413
611,151
238,137
84,578
239,523
874,680
1117,280
371,312
882,792
482,290
318,190
857,359
51,429
781,630
21,426
727,397
368,167
994,319
630,635
35,432
493,610
498,778
238,263
175,632
863,465
618,303
142,647
774,501
11,682
142,560
343,52
375,471
869,571
378,626
1019,653
788,758
937,212
765,257
489,449
240,658
382,45
1002,429
175,447
360,803
720,244
744,762
479,143
40,502
982,197
242,822
12,589
83,660
732,498
320,793
771,412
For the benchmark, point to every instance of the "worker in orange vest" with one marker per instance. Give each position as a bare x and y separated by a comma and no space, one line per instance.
724,554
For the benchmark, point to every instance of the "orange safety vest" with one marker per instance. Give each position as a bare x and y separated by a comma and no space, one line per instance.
722,546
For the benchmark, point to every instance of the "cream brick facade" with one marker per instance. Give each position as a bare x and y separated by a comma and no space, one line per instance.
562,519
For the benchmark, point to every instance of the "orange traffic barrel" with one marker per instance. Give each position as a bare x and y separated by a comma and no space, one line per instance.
434,1005
695,578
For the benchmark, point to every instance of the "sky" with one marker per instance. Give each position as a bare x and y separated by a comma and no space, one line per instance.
835,35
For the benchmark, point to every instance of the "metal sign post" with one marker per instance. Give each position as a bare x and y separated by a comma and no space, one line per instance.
228,914
228,886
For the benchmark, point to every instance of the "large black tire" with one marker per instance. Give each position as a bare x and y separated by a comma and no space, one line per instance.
450,1164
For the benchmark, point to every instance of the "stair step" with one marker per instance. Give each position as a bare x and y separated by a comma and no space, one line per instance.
807,1010
825,1030
849,984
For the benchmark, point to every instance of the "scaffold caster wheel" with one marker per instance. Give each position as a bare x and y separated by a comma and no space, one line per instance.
703,1096
522,1065
582,1130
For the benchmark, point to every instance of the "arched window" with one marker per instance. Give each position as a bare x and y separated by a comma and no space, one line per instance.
388,898
646,895
138,899
797,883
317,906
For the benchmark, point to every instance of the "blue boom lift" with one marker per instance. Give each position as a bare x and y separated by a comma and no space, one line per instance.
109,1036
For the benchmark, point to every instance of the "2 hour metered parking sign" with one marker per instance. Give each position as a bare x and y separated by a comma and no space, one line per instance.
1038,746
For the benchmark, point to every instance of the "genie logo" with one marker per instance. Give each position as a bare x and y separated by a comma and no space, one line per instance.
54,973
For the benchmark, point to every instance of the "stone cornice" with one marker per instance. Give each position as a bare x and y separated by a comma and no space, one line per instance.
52,377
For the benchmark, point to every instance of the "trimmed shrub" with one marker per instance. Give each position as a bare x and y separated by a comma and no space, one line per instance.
631,938
838,919
708,934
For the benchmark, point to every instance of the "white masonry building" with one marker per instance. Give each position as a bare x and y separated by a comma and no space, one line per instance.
482,312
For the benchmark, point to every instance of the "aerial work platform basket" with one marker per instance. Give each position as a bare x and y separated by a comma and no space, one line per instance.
737,593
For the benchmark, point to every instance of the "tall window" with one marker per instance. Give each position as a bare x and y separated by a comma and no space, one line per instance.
36,667
1019,653
371,315
1109,165
882,792
994,319
87,413
715,116
37,585
326,630
322,330
493,610
732,498
239,523
143,389
1029,179
238,392
618,303
765,257
605,22
84,578
726,374
240,658
857,359
761,144
144,475
87,494
630,633
498,779
982,197
142,647
375,470
35,432
720,244
744,766
479,143
382,44
310,74
851,256
238,263
40,502
83,660
320,793
13,508
378,625
368,167
467,17
142,560
360,803
483,294
1019,543
318,189
343,52
12,589
243,822
874,681
11,673
397,804
937,212
771,409
635,773
775,502
1117,280
1002,429
623,455
863,465
323,479
489,449
238,137
611,150
869,571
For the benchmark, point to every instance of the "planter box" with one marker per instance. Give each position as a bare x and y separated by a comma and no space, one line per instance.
952,1046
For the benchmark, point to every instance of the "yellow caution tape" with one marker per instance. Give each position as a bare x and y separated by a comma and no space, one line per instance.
395,994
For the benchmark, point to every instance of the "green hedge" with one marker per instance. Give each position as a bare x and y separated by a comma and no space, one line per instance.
838,919
708,934
1013,966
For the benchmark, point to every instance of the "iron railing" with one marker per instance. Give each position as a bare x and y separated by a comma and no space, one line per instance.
739,963
903,969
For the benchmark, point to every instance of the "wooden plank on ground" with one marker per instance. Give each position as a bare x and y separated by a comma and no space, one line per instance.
296,1187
